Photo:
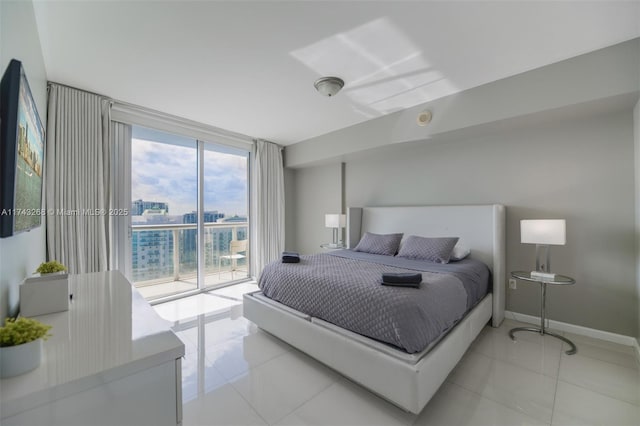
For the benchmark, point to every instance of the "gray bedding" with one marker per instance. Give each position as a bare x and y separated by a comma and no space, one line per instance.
343,287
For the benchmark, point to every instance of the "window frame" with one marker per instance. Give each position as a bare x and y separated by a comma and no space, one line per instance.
206,137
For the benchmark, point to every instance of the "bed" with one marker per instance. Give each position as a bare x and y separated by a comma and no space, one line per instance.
404,373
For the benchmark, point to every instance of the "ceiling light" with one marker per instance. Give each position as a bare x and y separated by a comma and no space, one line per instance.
328,86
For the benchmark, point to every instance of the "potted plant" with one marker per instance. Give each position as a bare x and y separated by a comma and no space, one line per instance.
21,345
45,292
51,267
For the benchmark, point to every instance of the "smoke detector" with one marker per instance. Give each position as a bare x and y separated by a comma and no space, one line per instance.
424,118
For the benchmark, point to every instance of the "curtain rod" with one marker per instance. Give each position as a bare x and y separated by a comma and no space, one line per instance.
130,106
137,109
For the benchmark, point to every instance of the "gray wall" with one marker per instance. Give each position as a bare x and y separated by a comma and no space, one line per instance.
310,194
290,209
551,142
21,254
574,166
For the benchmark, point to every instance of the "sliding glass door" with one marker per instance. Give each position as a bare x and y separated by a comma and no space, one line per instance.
189,214
225,199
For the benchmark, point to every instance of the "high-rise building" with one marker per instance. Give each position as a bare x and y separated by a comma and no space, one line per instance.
220,238
152,255
138,207
241,232
190,235
151,251
188,246
209,217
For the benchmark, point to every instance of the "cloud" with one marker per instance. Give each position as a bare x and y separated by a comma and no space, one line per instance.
168,173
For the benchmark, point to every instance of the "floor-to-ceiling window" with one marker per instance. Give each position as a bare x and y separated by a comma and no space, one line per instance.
189,218
225,201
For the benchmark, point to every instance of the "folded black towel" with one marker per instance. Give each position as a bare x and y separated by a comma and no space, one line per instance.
290,257
413,285
404,277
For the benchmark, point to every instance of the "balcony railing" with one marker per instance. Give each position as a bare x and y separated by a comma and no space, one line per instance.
166,253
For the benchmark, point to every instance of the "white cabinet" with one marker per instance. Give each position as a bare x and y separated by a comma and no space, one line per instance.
111,361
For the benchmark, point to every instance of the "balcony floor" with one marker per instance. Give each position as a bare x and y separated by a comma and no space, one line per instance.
164,289
210,303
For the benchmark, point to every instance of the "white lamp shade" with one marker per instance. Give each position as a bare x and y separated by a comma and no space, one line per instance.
335,220
543,231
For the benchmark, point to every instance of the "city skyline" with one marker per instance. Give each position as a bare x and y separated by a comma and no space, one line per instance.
153,252
160,213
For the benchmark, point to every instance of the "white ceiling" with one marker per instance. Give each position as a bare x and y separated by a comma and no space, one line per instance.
249,67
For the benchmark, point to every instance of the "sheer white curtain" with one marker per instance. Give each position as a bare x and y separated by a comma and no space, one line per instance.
267,205
77,179
119,231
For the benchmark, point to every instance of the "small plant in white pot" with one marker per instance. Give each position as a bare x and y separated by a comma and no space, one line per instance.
45,292
51,267
21,345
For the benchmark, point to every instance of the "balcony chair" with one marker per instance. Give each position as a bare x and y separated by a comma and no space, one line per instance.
235,248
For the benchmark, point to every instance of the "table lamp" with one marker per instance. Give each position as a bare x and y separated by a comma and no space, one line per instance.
335,221
543,233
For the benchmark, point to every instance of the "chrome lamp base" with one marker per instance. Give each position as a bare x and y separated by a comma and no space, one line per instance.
542,330
571,351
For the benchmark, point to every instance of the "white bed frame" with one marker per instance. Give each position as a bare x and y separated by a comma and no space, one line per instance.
409,381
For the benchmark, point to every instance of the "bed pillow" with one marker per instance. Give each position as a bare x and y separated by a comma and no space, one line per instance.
432,249
459,252
386,244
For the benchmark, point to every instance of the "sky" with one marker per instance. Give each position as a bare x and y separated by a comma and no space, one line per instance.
168,173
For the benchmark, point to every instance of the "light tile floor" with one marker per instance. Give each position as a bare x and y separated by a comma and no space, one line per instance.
235,374
164,289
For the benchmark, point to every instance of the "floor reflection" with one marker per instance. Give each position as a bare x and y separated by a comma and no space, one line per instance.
235,373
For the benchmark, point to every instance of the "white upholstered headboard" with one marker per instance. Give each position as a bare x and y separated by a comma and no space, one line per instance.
480,227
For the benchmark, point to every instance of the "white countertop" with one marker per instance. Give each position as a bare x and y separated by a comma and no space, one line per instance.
109,332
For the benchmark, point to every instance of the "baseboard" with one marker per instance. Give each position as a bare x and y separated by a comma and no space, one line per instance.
578,329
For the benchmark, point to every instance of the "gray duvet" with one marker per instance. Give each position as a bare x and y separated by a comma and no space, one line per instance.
343,287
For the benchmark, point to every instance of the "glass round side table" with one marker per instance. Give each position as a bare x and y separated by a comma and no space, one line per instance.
556,280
